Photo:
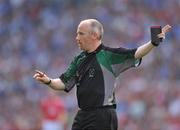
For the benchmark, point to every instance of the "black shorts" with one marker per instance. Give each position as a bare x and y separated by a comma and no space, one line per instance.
99,119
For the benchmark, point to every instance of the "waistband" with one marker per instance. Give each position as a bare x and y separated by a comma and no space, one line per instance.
99,107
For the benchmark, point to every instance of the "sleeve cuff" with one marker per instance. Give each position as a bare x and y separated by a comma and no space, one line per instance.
69,84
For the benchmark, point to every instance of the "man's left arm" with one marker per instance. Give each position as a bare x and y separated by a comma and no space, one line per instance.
147,47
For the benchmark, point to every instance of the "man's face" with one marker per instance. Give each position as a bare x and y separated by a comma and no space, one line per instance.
84,37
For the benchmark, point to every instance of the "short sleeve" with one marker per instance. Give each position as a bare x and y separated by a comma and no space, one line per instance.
122,59
69,76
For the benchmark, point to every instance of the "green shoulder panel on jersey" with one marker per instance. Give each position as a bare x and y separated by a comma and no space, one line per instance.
71,71
116,62
102,57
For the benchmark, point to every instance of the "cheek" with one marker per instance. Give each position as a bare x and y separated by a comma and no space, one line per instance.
83,40
83,44
86,39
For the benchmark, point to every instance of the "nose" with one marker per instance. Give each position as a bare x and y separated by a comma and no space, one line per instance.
77,38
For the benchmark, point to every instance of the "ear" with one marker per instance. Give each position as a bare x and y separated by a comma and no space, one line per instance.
94,35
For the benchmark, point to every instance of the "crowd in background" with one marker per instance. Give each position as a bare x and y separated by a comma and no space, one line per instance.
40,34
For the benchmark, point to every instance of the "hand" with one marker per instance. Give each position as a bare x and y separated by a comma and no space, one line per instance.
41,77
165,29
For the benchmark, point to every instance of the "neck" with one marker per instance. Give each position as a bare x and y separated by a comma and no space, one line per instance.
94,47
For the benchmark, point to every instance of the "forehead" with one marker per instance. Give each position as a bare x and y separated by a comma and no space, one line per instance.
84,27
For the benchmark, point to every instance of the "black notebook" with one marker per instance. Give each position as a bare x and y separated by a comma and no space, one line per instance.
155,30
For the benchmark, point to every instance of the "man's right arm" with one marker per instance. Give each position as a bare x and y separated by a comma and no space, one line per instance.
55,84
66,81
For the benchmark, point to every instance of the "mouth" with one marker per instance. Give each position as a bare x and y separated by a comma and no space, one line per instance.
79,43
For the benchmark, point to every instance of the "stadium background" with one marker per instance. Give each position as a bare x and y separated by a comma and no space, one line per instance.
40,34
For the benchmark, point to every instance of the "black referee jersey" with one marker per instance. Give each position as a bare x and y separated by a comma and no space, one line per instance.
94,74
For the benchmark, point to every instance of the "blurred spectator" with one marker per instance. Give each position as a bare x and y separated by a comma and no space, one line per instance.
54,112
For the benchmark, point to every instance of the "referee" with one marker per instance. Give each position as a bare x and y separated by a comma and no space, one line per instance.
91,72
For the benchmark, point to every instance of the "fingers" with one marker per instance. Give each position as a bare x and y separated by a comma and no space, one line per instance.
38,74
161,35
35,76
166,28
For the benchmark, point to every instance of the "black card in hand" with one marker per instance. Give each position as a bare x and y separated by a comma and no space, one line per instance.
155,30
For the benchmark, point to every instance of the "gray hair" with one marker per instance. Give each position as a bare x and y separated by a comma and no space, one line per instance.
96,26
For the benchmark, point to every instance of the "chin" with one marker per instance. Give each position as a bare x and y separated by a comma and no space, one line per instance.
80,48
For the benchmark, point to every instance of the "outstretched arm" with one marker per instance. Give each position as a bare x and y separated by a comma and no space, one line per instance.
56,84
147,47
